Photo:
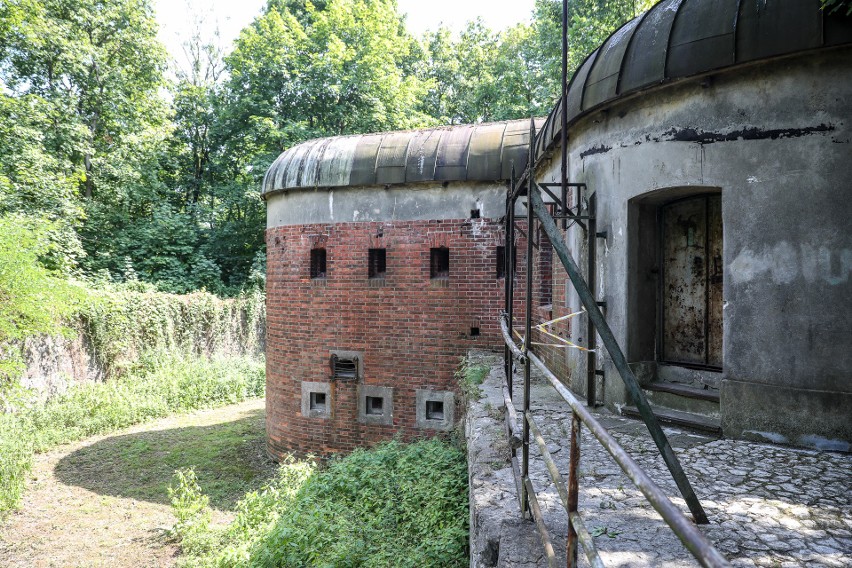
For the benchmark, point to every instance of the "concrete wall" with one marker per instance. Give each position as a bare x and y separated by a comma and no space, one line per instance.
414,202
775,139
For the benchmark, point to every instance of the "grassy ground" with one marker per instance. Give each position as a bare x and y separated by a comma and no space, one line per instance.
160,385
104,501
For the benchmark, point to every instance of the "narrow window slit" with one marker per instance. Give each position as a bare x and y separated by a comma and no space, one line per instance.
439,263
377,263
318,265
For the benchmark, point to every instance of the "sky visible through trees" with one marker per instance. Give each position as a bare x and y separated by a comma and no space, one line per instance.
136,171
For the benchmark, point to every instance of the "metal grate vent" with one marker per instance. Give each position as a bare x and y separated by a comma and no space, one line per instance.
344,369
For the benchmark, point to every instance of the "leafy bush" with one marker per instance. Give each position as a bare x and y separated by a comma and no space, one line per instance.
394,505
192,510
16,456
32,299
123,324
158,386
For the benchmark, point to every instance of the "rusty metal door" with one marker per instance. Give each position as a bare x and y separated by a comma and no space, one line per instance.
691,318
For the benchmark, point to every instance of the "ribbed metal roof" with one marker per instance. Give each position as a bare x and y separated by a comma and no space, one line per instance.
677,39
482,152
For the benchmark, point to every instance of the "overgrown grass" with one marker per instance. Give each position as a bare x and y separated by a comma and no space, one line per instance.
470,375
156,387
396,505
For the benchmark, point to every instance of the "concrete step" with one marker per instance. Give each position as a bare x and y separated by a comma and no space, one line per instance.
691,420
684,398
708,394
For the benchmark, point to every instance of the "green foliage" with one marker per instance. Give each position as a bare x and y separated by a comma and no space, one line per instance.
158,386
122,324
837,5
32,299
16,459
470,375
192,509
394,505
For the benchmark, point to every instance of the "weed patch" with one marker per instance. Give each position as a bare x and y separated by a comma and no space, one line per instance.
470,375
394,505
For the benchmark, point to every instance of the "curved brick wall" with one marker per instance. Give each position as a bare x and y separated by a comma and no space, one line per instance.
407,330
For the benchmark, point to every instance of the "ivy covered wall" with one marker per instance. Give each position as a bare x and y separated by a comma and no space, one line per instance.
114,329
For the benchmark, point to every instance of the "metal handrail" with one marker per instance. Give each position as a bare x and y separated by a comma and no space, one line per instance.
687,532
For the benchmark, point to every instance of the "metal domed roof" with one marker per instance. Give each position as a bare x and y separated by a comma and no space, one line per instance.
678,39
482,152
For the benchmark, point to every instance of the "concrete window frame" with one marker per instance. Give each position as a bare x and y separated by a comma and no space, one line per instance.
446,398
386,394
313,388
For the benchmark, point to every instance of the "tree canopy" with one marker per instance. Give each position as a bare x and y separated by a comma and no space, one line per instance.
139,171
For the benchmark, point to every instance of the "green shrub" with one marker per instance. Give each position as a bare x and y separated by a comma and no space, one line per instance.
192,509
470,375
16,458
32,299
395,505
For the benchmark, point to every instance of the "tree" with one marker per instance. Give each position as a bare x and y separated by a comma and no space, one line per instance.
97,61
93,69
590,22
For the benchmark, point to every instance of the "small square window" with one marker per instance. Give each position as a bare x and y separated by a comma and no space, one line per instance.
474,332
375,405
377,263
474,213
434,410
318,266
439,263
317,401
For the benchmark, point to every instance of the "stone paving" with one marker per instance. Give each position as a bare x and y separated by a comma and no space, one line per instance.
768,505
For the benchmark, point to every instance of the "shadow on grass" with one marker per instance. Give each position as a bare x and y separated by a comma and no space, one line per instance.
229,460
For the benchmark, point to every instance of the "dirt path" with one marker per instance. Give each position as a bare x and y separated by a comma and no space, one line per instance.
104,501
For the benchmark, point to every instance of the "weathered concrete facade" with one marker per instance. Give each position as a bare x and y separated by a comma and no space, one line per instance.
774,140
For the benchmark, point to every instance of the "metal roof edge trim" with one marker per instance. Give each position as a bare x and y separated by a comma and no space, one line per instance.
544,146
295,157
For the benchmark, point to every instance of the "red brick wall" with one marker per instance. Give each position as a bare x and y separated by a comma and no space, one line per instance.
412,333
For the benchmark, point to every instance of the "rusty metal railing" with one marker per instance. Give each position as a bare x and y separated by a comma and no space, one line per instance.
568,491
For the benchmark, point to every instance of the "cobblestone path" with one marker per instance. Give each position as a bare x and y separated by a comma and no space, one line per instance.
768,505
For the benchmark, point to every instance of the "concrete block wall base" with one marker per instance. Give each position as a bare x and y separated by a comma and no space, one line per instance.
784,415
